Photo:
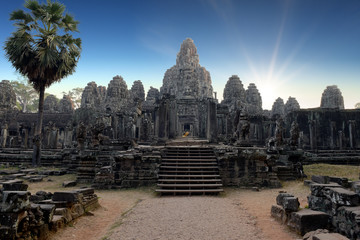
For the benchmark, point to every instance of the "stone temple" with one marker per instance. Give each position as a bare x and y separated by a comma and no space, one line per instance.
115,122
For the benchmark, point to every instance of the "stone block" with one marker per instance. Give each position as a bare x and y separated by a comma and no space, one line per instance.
307,220
319,204
320,179
317,189
71,197
65,212
280,198
291,204
69,184
77,210
344,182
15,201
309,235
14,186
308,183
57,223
342,197
329,236
48,211
85,191
278,212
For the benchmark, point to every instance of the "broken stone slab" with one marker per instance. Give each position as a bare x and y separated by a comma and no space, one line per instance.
279,213
348,221
307,220
29,171
355,186
317,189
280,198
77,210
320,179
15,201
309,235
58,204
291,204
36,179
71,197
69,184
342,197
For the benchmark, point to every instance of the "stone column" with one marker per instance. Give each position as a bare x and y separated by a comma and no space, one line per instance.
351,132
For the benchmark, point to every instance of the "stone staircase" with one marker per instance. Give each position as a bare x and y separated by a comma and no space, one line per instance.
188,170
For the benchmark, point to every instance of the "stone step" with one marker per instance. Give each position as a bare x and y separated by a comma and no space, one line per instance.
189,180
217,190
188,176
188,164
188,160
174,185
189,167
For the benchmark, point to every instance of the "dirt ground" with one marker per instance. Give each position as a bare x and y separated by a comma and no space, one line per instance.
232,213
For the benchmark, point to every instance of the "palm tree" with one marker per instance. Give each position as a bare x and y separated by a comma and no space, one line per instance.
43,50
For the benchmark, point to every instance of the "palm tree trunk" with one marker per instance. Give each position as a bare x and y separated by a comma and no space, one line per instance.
36,158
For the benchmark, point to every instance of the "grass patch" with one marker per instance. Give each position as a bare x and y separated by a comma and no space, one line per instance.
346,171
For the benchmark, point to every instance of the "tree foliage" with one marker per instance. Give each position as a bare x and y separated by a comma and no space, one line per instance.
357,105
75,95
26,96
43,50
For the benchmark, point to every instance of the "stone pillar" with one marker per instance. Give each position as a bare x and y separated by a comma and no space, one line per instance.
341,136
4,135
312,131
172,118
211,122
351,132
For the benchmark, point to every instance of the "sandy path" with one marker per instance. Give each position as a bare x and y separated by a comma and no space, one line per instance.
113,205
187,218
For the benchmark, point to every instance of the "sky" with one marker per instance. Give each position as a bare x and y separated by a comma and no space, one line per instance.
286,47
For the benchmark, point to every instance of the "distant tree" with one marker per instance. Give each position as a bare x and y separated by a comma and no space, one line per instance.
25,95
43,50
357,105
75,95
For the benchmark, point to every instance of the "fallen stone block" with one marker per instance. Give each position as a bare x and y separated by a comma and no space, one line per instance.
278,212
309,235
72,197
69,184
280,198
317,189
85,191
48,211
344,182
35,179
320,179
307,220
308,183
342,197
291,204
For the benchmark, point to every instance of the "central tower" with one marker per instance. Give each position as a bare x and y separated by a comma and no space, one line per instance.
187,103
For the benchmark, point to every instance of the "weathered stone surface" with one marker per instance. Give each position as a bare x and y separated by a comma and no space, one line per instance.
137,91
279,213
66,105
278,108
307,220
291,105
71,197
14,186
15,201
344,182
329,236
317,188
320,204
280,198
332,98
7,96
48,211
92,96
320,179
77,210
187,79
309,235
51,104
342,197
57,223
253,100
117,94
234,93
291,204
347,221
65,212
